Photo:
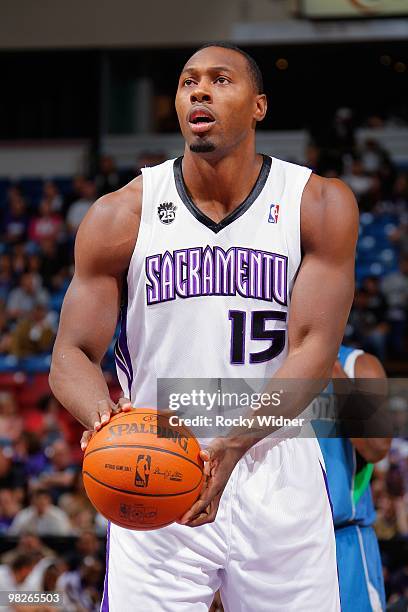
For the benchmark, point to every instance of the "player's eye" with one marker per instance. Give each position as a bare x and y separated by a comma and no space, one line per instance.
188,82
221,80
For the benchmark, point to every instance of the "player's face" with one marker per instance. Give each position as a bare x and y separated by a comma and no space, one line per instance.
216,101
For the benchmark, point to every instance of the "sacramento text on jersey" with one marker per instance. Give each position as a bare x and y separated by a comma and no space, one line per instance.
212,271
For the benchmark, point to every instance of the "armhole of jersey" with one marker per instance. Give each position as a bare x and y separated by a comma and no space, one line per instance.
350,363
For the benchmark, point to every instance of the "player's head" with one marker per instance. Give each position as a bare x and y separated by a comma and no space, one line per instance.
219,99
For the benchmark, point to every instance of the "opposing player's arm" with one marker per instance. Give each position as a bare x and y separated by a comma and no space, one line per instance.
372,449
104,246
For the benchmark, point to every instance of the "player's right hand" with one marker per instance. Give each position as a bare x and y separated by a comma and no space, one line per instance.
105,409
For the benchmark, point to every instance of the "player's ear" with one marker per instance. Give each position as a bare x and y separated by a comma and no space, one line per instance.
261,106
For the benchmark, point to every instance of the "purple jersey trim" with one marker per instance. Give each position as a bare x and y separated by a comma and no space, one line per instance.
105,598
326,484
121,343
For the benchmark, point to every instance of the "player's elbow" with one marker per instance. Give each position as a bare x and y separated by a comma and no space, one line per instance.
374,449
56,374
379,450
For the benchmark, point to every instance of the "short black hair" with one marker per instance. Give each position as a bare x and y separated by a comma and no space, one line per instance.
253,68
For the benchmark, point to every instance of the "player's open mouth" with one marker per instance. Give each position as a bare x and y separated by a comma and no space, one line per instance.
201,120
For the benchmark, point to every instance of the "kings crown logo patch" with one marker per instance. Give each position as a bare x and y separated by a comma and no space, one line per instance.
167,212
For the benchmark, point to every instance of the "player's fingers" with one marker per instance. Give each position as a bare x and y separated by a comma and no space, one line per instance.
195,510
105,410
86,436
122,405
209,493
207,515
95,420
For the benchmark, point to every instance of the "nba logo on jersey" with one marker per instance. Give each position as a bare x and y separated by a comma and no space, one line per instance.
273,213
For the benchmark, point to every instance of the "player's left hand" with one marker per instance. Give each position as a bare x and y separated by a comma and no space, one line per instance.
219,461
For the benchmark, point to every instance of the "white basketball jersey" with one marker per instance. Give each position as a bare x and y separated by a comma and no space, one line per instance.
206,299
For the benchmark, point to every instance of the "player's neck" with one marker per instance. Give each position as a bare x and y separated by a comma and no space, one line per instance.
225,182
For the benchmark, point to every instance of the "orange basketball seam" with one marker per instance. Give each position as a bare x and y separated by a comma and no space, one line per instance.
108,486
155,448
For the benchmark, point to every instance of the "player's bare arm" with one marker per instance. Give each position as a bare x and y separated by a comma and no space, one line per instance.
320,305
372,449
103,249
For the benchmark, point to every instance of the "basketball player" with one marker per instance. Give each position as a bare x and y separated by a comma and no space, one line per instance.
349,465
230,264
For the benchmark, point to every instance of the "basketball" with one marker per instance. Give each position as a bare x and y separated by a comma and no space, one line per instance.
142,473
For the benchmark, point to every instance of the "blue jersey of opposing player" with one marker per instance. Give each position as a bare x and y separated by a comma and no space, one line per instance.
348,474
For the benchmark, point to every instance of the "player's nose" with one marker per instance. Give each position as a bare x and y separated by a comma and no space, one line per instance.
200,94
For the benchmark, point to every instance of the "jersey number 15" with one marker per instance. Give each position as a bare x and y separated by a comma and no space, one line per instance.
258,332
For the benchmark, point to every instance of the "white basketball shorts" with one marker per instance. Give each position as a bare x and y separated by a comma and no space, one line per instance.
271,547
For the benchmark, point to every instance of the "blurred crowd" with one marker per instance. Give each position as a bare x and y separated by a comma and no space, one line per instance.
378,321
52,538
390,493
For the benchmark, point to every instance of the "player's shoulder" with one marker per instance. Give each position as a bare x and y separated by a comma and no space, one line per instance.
368,366
116,211
126,200
329,192
108,233
328,209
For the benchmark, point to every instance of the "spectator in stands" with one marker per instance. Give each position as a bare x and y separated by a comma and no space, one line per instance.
15,221
51,575
6,276
50,421
82,588
4,331
11,422
357,179
26,573
59,476
11,472
23,298
395,289
34,333
9,507
87,545
41,517
341,135
79,208
28,449
77,506
76,191
372,200
53,264
146,159
34,267
51,193
47,224
13,577
19,260
367,327
28,542
107,178
373,156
